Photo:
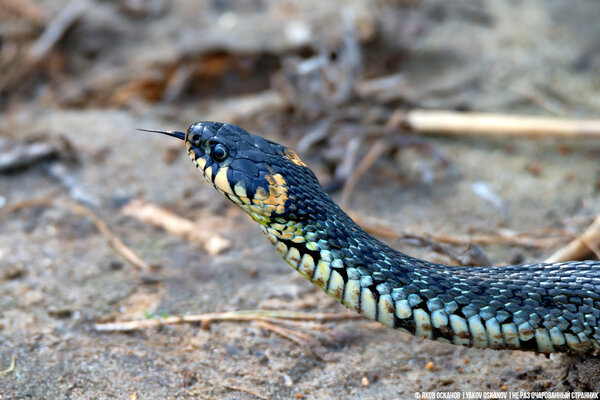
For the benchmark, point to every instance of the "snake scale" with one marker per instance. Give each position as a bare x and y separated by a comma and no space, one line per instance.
540,307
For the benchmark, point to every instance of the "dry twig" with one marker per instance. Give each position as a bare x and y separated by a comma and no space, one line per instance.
300,338
503,237
112,239
211,242
367,162
244,315
580,248
382,229
462,123
542,100
472,255
244,390
298,324
55,31
77,191
391,88
26,203
376,150
11,367
22,155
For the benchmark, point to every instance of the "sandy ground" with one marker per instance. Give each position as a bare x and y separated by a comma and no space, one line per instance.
58,276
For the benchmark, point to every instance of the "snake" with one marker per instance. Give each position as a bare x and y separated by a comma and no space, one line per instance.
543,307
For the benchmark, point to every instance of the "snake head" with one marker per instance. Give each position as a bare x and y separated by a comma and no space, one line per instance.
265,179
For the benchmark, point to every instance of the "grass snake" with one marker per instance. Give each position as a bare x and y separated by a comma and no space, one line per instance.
540,307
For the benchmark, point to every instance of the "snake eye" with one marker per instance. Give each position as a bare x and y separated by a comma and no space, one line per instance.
219,152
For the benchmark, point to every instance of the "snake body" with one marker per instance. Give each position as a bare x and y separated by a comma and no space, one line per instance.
540,307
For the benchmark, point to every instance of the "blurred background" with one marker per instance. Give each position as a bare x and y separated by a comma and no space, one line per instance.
81,189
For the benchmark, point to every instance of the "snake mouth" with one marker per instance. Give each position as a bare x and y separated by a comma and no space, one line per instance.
175,134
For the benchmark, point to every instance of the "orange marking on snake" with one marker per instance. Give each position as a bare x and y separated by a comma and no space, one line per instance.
277,192
293,157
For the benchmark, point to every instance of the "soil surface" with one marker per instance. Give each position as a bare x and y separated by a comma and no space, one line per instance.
164,64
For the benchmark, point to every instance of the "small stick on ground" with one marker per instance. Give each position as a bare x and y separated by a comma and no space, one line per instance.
23,155
177,83
543,100
304,340
582,247
463,123
55,31
78,209
26,203
112,239
244,315
446,249
76,189
244,390
11,367
365,164
153,214
376,150
317,326
518,239
381,228
300,338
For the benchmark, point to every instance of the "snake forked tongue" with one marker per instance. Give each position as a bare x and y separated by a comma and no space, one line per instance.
175,134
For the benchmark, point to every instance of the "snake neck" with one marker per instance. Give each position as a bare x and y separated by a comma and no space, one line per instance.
542,307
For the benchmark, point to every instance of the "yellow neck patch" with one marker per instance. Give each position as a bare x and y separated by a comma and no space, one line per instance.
274,201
